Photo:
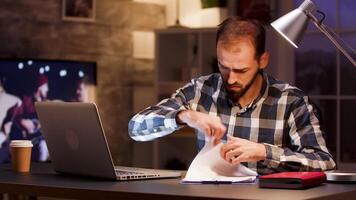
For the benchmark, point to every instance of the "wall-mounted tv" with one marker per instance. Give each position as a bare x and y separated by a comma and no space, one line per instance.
24,81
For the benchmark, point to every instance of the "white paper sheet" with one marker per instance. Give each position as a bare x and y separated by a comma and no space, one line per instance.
208,166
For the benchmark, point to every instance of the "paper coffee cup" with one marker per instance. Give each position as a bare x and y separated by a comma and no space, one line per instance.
21,155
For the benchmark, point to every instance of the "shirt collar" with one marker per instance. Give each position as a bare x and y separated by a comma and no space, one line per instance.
264,89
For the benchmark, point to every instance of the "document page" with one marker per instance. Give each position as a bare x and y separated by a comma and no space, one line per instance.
208,166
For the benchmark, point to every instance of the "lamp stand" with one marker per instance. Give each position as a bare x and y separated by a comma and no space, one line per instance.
334,38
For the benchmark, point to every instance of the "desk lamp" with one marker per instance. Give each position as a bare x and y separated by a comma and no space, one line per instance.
292,27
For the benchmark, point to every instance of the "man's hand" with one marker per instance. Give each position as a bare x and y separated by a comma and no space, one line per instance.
238,150
210,125
28,125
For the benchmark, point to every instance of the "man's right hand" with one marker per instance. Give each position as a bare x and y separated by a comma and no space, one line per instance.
210,125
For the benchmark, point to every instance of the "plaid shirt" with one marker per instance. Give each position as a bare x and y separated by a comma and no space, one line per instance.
281,117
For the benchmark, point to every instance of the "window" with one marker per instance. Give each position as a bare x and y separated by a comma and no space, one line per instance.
329,78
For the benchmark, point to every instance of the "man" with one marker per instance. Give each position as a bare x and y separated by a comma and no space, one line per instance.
268,125
21,121
7,101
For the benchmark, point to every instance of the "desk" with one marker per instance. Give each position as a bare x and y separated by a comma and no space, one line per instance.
43,181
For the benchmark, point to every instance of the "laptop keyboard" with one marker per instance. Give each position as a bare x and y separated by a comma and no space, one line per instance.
126,173
122,172
131,173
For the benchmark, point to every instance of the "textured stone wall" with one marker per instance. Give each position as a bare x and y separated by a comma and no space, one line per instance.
35,29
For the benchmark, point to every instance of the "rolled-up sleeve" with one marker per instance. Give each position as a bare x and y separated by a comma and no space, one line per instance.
307,150
160,120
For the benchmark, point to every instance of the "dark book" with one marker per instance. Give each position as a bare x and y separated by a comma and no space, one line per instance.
292,180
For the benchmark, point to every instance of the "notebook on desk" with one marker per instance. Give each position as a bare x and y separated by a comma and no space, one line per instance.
77,144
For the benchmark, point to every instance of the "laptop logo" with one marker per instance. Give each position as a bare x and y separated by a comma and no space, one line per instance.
72,139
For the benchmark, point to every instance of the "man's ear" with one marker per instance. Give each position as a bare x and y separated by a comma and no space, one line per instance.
264,59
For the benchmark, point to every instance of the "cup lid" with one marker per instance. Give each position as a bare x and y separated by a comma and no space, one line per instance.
21,143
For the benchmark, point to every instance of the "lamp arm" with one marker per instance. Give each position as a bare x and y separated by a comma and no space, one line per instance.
334,38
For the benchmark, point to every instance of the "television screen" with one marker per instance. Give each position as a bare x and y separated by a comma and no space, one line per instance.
23,82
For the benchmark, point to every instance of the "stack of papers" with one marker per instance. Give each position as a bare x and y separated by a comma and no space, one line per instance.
209,167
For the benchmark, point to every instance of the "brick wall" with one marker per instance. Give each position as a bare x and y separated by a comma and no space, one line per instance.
35,29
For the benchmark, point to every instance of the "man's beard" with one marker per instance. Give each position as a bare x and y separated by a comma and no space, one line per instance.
236,95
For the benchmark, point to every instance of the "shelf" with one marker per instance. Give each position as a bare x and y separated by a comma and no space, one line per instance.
181,54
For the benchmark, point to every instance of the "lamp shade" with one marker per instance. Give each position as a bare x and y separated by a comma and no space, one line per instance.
293,24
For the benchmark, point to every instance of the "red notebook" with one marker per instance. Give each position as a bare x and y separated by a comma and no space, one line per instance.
292,180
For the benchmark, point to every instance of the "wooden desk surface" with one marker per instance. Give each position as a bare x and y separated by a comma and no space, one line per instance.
43,181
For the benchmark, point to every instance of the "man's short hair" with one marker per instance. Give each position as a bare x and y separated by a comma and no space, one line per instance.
234,28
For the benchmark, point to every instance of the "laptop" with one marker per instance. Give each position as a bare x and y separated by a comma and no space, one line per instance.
77,144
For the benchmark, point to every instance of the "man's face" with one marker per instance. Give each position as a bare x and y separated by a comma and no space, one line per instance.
238,66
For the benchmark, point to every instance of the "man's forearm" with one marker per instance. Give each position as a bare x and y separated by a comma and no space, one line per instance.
150,124
308,160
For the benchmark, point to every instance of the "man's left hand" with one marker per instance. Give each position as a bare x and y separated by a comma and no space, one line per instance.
238,150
